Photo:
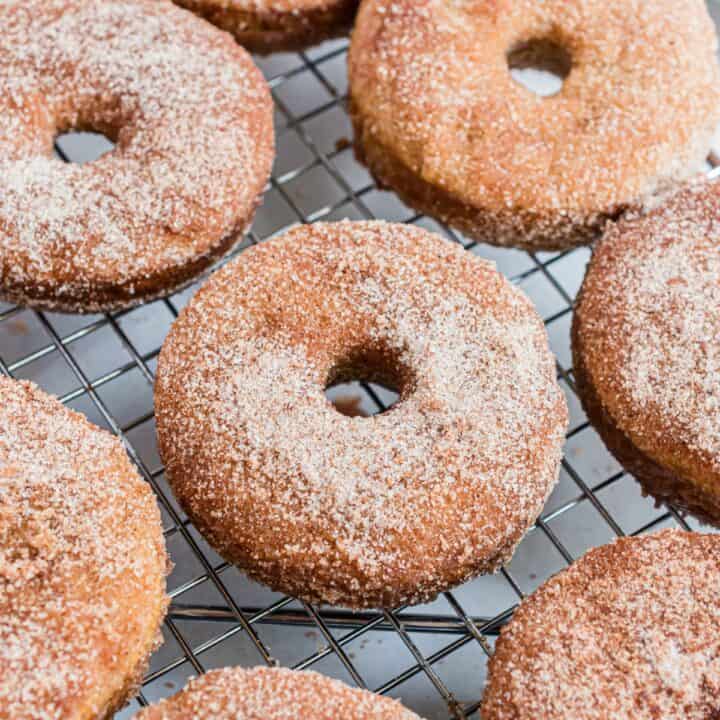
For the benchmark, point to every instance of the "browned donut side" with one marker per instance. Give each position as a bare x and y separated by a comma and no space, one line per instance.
517,228
660,482
268,29
111,296
311,581
131,688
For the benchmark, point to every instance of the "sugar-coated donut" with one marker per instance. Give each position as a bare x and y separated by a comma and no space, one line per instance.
273,694
362,512
646,346
82,564
631,630
192,120
439,119
277,25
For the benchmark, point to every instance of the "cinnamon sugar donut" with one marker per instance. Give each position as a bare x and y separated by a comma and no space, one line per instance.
439,119
362,512
267,26
646,346
82,564
192,120
273,694
631,630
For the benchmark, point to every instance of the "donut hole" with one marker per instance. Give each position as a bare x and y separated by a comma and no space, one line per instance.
82,146
366,383
540,65
361,398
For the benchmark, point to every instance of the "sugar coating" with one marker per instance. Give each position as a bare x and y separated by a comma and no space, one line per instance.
439,118
192,119
273,694
649,326
82,563
631,630
360,511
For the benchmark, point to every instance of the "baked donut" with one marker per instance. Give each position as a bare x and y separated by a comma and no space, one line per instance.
631,630
361,512
646,347
439,119
191,117
82,563
277,25
273,694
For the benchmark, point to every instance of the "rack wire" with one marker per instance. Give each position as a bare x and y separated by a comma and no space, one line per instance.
433,657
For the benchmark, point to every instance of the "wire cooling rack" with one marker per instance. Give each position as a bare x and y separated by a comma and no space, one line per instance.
433,656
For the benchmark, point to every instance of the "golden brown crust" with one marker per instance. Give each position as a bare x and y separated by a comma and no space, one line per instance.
631,630
645,343
82,564
439,119
192,120
273,694
360,511
279,25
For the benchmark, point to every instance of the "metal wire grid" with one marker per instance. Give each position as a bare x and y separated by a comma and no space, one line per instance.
434,656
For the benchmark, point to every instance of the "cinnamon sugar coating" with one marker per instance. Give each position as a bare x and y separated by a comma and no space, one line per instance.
192,120
273,694
82,564
265,26
439,119
631,630
361,512
646,346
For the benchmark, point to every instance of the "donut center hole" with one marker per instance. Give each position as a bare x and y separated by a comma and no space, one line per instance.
82,146
540,65
366,383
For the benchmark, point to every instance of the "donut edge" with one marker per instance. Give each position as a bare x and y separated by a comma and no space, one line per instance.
134,679
124,296
655,479
519,229
417,592
513,229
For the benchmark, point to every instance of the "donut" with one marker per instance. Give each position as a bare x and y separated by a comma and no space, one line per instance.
439,119
263,693
646,347
82,563
277,25
191,117
360,512
631,630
